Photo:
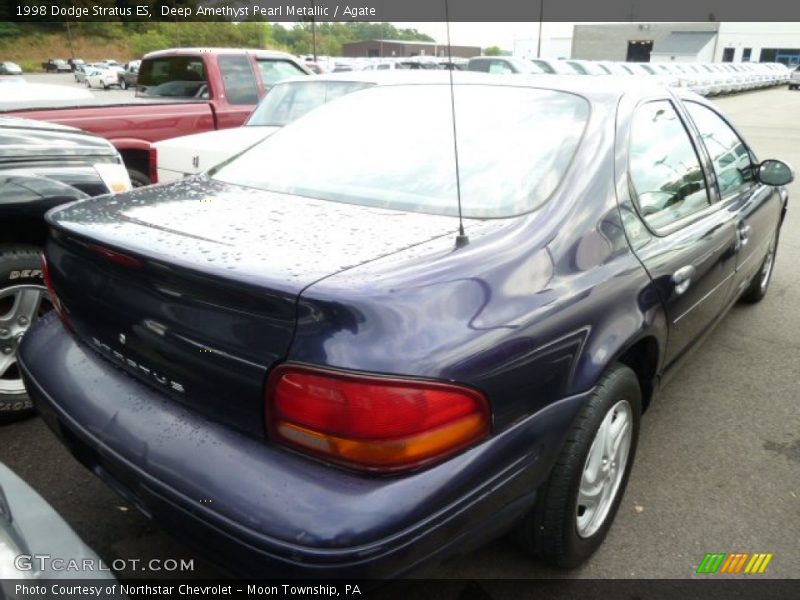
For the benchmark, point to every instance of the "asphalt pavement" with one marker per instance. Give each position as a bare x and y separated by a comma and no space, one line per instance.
110,96
718,463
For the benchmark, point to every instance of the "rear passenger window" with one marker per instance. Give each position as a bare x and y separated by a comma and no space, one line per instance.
664,169
733,165
273,71
238,79
499,67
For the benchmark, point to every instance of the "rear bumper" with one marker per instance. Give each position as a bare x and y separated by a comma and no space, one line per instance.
256,509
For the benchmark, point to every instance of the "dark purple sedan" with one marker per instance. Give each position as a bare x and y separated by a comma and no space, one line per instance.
289,361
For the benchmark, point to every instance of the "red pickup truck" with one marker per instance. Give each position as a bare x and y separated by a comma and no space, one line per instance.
178,92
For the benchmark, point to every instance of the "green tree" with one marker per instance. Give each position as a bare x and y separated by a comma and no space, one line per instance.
492,51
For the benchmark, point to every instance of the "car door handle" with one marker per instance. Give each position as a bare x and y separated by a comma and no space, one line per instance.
744,234
682,278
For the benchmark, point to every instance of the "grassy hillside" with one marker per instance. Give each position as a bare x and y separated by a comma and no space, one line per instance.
30,51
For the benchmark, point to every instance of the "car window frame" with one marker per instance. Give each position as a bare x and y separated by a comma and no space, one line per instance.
690,219
720,199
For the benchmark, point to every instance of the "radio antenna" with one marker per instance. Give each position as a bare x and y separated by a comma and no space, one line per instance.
461,238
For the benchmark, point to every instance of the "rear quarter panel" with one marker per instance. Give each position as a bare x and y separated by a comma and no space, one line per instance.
532,310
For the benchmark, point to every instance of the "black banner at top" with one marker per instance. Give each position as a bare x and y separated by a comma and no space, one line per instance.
401,10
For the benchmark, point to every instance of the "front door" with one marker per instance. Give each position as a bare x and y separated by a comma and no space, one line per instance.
690,250
757,208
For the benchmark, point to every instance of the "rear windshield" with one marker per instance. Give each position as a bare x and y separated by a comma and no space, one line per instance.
172,77
290,101
392,147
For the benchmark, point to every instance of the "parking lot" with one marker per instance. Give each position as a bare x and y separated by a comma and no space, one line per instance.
109,96
718,463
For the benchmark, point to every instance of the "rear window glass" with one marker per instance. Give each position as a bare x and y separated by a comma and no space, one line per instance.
291,100
172,77
515,145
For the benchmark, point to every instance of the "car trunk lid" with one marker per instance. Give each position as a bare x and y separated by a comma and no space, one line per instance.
192,288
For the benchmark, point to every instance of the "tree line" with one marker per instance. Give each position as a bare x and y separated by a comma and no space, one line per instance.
141,37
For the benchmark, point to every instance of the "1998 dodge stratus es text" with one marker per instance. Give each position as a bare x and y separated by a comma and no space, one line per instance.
353,391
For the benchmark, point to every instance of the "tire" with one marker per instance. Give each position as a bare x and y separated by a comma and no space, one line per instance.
138,179
123,85
560,530
20,273
105,87
88,84
759,287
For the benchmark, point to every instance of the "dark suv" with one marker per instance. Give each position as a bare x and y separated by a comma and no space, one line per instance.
42,165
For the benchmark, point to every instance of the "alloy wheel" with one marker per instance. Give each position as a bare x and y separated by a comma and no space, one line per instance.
604,469
20,306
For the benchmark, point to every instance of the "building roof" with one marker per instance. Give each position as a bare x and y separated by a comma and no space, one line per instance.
684,42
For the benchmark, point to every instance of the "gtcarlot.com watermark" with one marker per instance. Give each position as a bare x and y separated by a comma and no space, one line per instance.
49,563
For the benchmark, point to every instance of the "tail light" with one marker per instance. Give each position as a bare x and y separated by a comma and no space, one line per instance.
152,165
54,299
372,423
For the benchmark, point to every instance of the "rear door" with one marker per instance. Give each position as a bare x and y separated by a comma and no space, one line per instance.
686,243
756,207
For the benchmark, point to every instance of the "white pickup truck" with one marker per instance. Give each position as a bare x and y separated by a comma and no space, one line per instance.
288,100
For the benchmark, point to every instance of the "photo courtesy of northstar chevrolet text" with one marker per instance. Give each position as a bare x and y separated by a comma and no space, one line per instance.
432,299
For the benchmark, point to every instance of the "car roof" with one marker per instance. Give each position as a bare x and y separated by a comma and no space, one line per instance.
607,87
199,50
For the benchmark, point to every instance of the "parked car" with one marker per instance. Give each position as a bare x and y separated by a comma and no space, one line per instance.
32,534
57,65
305,337
102,78
794,79
80,73
502,65
586,67
10,68
202,89
17,94
129,75
74,63
187,155
42,165
553,67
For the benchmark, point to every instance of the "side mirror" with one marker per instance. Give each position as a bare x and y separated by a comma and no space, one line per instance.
775,172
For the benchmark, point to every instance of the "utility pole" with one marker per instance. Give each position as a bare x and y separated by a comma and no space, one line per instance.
314,36
539,40
69,39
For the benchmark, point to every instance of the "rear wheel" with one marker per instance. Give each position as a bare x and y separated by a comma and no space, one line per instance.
123,85
757,289
576,506
23,299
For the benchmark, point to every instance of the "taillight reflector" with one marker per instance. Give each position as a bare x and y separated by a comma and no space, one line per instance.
116,257
371,422
54,299
152,165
